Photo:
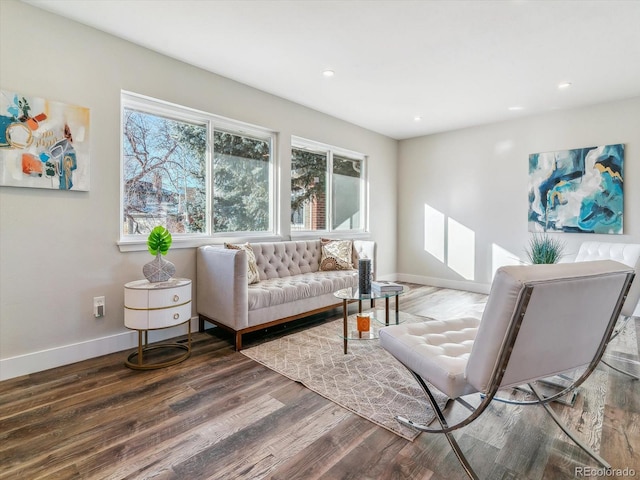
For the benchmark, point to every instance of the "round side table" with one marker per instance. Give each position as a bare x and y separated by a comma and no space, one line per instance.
153,306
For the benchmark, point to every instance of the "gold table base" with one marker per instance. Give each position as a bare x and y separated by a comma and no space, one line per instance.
141,365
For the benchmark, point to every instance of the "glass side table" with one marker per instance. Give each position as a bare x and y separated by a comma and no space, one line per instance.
351,294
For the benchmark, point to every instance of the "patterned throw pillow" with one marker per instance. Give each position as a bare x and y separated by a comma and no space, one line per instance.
336,254
252,266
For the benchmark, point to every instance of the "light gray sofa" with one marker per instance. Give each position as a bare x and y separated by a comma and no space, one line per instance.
291,285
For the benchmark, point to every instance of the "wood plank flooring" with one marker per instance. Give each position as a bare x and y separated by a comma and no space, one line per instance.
219,415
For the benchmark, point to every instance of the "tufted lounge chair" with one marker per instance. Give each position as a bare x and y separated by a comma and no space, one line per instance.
540,320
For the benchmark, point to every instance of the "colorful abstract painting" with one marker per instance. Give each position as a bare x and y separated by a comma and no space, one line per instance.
43,144
578,190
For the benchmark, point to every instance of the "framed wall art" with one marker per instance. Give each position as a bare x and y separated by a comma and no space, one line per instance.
43,143
579,190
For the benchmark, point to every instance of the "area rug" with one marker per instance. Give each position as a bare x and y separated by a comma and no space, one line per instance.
367,380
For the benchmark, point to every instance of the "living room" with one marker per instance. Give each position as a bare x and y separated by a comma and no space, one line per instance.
59,250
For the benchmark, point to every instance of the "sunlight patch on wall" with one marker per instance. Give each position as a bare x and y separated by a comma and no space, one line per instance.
501,257
461,249
450,242
434,233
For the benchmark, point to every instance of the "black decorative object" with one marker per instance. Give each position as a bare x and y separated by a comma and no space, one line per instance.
364,275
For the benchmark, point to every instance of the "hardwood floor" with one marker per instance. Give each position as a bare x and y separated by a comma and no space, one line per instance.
219,415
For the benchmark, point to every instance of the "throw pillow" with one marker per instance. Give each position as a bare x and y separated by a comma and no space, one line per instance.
252,266
336,254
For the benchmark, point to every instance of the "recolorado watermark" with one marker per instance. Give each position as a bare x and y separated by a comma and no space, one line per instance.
604,472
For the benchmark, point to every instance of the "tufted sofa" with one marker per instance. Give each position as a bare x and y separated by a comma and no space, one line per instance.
291,285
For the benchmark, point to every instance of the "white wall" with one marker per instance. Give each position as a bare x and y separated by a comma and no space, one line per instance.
58,249
478,178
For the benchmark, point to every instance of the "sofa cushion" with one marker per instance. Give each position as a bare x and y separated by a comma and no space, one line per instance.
277,291
252,267
336,255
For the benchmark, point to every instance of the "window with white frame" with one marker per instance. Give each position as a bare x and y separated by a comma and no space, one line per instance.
328,188
193,172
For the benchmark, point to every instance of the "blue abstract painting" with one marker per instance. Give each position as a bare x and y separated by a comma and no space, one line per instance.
579,190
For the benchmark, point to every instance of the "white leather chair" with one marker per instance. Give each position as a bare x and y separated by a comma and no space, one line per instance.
539,320
629,254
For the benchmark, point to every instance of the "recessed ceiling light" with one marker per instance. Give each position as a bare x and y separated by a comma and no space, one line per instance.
515,108
328,73
564,85
417,118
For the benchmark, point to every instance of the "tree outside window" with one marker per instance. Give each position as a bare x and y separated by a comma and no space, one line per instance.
241,187
327,189
181,171
164,169
308,190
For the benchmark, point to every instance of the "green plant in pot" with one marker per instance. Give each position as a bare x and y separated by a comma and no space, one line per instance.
545,249
158,244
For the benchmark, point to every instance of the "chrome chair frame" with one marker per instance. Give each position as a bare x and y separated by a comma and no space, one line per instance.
623,324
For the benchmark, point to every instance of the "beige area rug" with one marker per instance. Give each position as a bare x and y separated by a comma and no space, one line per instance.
367,380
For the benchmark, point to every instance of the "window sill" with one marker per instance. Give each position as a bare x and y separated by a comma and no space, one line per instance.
140,245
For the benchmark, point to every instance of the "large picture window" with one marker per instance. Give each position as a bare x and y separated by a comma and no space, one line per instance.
327,188
194,173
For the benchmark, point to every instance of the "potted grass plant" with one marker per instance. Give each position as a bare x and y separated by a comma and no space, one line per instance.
158,244
545,249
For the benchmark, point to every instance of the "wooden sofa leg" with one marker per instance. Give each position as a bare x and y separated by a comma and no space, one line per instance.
238,341
200,324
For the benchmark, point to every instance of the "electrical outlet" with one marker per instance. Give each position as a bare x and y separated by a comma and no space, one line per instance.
98,307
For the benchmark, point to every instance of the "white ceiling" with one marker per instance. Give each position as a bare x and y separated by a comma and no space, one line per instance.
453,63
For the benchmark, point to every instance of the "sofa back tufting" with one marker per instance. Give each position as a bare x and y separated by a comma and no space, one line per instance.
284,259
291,284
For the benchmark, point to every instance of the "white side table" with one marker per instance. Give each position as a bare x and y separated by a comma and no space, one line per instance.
153,306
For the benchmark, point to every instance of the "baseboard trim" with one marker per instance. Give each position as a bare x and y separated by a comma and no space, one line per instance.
76,352
445,283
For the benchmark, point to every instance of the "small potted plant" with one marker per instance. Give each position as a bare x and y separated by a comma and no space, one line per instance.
544,249
158,244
